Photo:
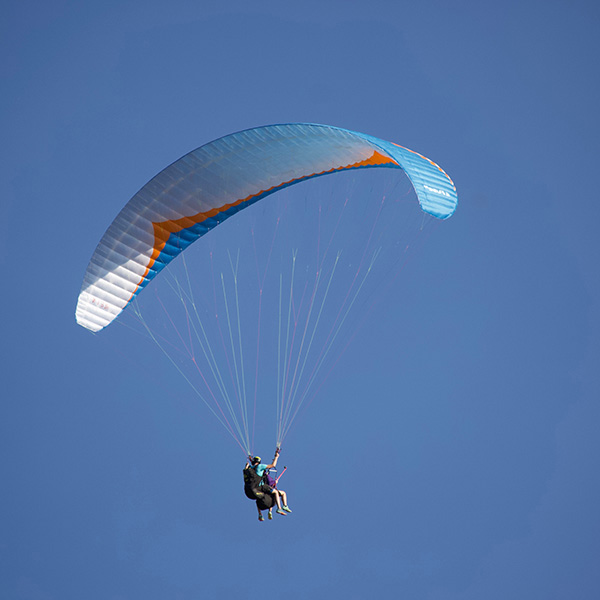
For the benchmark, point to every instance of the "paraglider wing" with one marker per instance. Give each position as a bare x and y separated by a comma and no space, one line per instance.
215,181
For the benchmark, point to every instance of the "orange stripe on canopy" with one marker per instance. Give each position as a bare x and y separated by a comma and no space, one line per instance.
164,229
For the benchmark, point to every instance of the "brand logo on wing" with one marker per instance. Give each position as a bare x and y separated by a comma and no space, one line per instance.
436,190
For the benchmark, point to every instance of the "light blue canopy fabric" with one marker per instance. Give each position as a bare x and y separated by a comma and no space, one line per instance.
217,180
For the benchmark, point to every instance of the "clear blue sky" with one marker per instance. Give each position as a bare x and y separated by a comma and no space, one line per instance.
456,444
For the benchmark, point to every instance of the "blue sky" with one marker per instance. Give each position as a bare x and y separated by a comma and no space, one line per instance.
454,451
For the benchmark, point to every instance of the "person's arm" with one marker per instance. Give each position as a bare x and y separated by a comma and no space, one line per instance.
275,459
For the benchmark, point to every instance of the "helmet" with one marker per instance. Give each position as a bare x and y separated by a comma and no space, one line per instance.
256,460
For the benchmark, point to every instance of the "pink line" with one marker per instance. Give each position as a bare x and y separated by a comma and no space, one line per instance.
323,348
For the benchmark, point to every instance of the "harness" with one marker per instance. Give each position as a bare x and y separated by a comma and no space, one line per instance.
253,484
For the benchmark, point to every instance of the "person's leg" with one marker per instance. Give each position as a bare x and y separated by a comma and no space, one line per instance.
277,499
260,517
284,498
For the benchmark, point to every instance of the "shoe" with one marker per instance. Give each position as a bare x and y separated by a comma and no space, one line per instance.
270,515
287,508
261,518
280,512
